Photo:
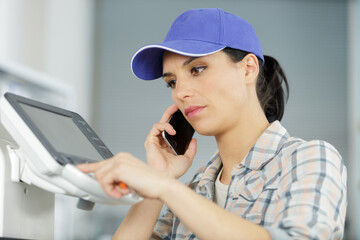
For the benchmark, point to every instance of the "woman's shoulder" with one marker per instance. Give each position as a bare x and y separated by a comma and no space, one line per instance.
299,157
301,151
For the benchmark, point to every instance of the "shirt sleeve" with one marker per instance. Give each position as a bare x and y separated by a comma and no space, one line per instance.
312,197
163,226
168,222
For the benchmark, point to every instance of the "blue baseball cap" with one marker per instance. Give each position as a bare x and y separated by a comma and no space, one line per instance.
197,33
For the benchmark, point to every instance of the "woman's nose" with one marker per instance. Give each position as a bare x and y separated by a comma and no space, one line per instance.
183,88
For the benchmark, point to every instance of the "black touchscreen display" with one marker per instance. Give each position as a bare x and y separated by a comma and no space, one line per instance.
62,133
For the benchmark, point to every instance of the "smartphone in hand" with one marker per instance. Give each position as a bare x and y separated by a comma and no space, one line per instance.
184,133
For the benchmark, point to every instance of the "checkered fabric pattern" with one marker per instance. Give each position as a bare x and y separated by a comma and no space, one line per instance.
296,189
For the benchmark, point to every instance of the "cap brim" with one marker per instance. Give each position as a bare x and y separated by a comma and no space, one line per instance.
147,61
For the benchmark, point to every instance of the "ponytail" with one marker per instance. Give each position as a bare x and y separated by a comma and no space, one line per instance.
269,86
269,89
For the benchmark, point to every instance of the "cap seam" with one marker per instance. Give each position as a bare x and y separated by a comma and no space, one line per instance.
213,42
221,26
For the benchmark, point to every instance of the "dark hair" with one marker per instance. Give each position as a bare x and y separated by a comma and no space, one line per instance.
269,86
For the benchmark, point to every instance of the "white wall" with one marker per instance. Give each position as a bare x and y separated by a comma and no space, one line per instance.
68,47
354,120
52,36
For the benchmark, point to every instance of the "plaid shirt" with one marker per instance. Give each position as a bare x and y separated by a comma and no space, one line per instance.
294,188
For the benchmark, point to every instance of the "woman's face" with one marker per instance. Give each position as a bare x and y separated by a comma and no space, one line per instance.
211,91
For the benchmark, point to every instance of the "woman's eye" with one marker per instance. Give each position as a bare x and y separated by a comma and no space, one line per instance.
171,83
197,70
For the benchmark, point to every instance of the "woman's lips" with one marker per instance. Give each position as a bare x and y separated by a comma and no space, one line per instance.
193,111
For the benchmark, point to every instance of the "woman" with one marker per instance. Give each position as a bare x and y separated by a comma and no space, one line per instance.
262,183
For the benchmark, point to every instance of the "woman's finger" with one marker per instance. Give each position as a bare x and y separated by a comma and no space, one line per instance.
114,162
111,180
168,113
101,169
160,127
91,167
115,191
157,130
155,133
191,150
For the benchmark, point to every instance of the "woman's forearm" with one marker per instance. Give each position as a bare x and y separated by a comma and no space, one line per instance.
206,219
140,220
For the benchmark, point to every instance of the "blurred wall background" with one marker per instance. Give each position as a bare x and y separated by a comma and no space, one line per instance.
54,37
89,44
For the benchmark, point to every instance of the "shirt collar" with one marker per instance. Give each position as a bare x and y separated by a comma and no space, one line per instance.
266,147
208,174
264,150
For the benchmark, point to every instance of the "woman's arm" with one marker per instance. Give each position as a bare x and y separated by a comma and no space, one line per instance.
205,218
312,194
140,220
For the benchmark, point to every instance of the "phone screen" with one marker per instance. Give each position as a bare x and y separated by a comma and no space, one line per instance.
184,133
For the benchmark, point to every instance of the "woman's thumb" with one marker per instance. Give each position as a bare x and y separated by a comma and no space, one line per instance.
192,148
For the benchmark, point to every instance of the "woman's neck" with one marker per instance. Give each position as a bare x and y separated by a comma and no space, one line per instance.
235,144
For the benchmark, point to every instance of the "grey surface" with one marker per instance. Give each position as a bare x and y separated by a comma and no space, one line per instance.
308,38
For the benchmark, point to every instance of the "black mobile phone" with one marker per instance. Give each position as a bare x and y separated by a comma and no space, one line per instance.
184,133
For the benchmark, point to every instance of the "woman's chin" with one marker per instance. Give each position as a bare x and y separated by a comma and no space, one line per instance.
206,127
204,131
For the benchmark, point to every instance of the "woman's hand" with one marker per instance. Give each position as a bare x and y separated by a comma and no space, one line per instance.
158,153
148,180
124,167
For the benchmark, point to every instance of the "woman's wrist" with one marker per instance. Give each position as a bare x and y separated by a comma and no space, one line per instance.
167,188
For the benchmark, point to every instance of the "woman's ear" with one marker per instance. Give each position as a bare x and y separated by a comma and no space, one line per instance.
251,64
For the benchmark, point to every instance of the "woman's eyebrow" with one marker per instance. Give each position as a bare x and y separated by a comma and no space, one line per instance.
188,61
166,75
